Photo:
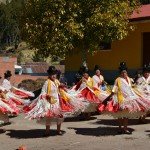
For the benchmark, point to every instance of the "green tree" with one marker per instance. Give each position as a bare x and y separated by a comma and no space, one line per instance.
38,57
9,22
60,27
20,57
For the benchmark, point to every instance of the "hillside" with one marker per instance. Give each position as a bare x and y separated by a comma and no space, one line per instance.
24,54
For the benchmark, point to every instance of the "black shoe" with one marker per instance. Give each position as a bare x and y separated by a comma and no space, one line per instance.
2,131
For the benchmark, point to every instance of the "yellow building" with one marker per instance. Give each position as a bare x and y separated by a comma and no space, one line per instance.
134,50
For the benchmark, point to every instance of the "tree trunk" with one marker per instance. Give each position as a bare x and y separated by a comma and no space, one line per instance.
84,53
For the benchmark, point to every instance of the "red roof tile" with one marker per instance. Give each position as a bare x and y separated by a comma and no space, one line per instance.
41,67
143,12
37,67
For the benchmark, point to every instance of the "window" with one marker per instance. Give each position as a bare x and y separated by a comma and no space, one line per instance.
27,70
105,46
145,1
18,71
5,59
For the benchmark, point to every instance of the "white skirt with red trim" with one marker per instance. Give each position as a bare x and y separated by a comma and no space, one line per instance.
130,107
7,107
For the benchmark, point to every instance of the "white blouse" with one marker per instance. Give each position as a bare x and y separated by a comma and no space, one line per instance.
143,80
125,87
97,80
53,91
6,84
144,83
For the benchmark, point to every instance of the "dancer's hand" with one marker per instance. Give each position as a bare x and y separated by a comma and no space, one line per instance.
48,97
84,80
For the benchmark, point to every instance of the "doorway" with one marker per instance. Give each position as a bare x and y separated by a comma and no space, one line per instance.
146,48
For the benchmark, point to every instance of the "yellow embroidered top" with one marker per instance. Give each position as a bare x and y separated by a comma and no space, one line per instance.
89,82
57,83
118,86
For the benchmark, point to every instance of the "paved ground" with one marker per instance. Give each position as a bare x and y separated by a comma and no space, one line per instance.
100,133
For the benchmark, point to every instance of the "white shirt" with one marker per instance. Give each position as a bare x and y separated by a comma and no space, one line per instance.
125,87
144,83
53,91
6,84
97,80
142,80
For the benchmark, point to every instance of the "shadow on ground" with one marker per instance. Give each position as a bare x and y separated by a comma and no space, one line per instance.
114,122
148,134
76,119
82,118
27,134
99,131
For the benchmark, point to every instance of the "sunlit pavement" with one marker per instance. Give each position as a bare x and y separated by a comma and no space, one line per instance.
99,133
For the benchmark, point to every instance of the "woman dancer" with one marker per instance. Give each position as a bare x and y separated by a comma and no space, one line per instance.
143,83
99,79
18,96
6,108
124,103
86,89
143,87
52,105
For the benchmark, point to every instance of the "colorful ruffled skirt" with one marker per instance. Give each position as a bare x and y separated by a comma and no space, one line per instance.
6,108
19,96
47,113
143,90
131,107
91,97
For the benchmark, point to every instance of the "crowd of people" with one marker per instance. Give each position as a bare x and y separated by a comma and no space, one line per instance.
127,99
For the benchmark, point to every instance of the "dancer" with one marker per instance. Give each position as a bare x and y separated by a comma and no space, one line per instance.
52,105
143,87
5,109
124,103
78,75
85,88
98,78
99,81
143,83
18,96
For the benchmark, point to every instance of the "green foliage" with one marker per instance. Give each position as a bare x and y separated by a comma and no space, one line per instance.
38,57
9,22
58,27
39,83
20,57
28,84
32,85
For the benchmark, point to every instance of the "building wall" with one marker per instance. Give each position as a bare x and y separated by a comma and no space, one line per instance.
8,63
129,50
